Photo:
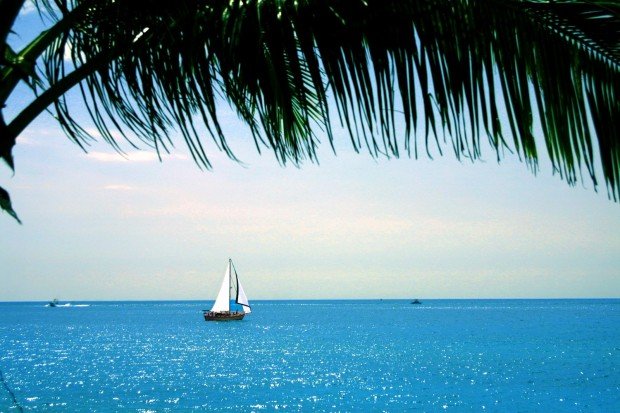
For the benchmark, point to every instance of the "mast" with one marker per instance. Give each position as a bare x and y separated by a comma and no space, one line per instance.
232,286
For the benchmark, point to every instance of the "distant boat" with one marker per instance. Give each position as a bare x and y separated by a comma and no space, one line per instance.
53,303
416,301
230,290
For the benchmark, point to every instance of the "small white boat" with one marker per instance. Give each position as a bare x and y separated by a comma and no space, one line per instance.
230,291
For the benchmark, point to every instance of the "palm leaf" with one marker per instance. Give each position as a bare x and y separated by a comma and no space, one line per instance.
453,72
5,204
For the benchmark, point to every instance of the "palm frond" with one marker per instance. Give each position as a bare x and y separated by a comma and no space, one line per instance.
453,72
5,204
594,24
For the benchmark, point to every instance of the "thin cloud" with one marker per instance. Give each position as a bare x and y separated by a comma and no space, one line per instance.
118,187
39,137
67,52
27,8
127,157
96,134
135,156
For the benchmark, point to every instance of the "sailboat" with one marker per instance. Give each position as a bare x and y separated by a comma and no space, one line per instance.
231,291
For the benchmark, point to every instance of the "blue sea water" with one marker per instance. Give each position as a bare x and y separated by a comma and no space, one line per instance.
358,356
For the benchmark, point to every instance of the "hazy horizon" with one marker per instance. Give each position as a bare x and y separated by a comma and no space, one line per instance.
76,301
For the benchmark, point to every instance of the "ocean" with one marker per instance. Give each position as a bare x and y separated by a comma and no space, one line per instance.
313,356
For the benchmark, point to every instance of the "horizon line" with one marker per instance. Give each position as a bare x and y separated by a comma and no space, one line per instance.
318,299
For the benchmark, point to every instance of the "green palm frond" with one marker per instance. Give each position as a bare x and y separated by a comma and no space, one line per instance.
5,204
453,72
593,24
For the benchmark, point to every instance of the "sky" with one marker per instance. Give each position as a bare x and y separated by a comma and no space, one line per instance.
100,226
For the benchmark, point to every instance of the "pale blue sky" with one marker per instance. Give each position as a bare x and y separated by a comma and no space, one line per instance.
100,227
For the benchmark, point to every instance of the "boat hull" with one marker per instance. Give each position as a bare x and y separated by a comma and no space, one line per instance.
223,316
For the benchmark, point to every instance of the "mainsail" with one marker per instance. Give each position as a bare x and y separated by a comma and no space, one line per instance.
222,302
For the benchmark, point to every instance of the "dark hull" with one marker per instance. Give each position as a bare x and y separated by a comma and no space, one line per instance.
209,316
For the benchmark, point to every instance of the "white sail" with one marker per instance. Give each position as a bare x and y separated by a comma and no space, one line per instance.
242,298
222,302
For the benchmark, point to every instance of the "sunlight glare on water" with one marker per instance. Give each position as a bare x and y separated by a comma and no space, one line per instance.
366,355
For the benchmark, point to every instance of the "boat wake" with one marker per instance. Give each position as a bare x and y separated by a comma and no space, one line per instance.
67,305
